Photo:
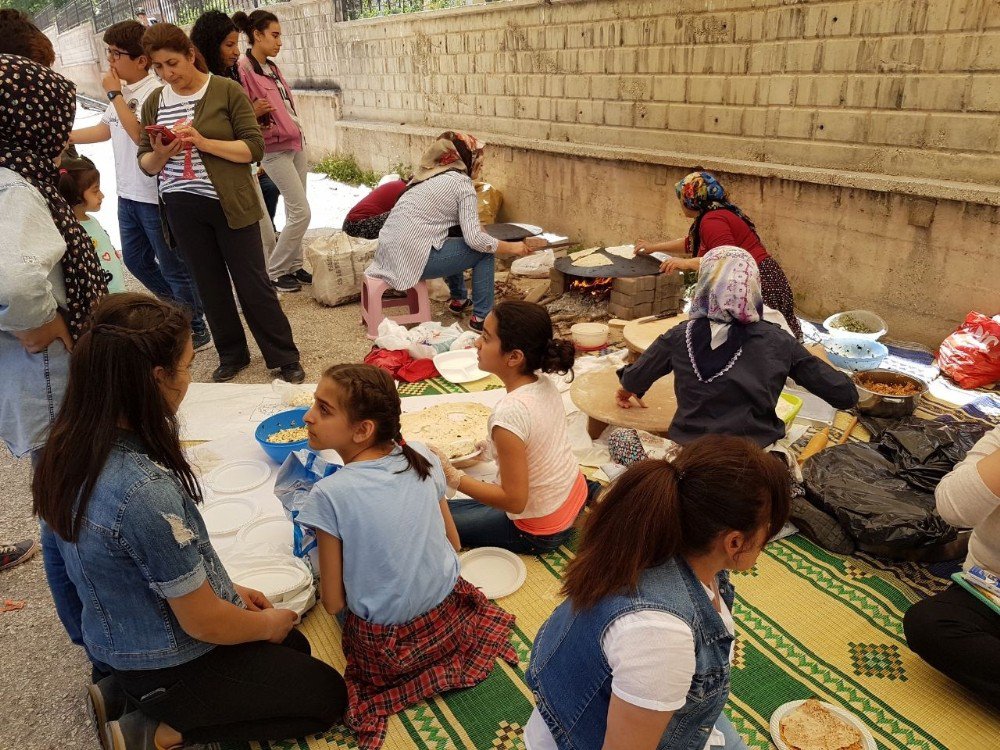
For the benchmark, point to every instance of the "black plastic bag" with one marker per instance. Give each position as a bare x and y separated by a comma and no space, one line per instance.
924,451
867,495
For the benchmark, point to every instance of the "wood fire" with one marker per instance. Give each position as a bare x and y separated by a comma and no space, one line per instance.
598,287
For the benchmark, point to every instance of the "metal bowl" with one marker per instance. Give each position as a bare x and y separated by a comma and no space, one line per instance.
881,405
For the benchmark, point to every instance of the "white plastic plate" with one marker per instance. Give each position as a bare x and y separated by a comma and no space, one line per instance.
494,571
227,515
460,366
276,530
783,710
276,582
239,476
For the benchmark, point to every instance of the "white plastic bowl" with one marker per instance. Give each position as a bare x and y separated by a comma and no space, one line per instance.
589,335
867,317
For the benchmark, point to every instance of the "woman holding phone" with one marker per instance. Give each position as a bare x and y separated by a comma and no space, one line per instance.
212,209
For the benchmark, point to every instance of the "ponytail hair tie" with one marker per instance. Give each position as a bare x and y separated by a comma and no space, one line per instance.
677,472
63,170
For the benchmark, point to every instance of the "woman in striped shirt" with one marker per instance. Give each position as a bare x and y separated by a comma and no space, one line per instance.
208,137
415,242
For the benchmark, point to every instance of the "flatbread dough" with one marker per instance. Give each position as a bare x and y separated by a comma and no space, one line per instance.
813,727
622,251
593,261
584,253
454,428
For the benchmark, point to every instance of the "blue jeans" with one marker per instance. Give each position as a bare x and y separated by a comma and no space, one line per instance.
64,594
451,261
482,526
733,739
157,267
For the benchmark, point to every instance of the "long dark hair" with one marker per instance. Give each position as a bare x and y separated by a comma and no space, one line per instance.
526,326
370,393
208,34
111,383
76,176
658,510
259,20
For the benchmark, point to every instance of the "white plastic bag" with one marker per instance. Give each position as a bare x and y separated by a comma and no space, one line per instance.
421,342
534,266
466,340
338,263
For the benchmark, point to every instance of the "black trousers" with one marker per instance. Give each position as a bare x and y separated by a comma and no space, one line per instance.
957,634
215,253
253,691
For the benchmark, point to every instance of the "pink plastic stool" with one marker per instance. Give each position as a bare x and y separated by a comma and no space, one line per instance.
373,304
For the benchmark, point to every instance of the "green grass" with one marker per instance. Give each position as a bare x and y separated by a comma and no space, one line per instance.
344,168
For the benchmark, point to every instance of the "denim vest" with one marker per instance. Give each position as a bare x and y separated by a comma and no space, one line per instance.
571,679
141,541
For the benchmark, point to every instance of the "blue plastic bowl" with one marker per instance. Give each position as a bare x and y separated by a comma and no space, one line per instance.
278,452
854,353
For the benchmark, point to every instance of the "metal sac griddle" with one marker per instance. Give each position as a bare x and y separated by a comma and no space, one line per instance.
621,268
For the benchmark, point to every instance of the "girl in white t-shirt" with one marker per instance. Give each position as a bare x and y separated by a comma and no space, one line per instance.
540,489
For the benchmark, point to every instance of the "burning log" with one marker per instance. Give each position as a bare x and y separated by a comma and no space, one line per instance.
598,287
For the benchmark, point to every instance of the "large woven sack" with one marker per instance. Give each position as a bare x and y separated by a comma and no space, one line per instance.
338,264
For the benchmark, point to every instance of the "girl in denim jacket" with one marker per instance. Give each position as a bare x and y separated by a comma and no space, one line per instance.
202,659
638,655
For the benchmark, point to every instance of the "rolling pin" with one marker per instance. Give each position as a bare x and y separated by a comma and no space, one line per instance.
814,446
847,431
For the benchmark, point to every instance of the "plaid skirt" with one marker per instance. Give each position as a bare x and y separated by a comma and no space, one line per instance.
777,293
390,667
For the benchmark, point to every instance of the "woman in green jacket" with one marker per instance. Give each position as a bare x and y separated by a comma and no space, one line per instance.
201,147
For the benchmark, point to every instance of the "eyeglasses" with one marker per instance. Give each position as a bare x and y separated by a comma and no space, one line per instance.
116,54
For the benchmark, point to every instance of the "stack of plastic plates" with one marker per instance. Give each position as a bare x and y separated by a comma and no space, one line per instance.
271,530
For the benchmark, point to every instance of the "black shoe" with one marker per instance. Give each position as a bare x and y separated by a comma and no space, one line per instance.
293,373
17,553
820,527
133,731
457,307
105,702
303,276
287,283
476,324
224,373
201,339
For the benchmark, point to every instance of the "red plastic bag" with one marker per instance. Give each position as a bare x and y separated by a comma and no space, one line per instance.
971,355
389,360
418,369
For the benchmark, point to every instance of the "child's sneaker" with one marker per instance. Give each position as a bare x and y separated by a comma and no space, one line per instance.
476,324
17,553
459,306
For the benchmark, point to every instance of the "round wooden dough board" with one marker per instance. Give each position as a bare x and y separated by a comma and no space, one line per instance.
639,336
594,394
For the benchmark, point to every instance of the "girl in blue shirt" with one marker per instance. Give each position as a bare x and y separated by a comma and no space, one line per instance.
387,547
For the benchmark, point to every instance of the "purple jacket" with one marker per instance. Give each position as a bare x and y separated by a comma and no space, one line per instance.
283,134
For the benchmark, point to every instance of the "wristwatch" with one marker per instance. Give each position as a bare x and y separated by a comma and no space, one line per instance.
113,94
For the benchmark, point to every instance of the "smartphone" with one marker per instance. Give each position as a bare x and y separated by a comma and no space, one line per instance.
166,134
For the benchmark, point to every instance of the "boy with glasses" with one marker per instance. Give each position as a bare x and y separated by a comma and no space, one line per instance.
157,267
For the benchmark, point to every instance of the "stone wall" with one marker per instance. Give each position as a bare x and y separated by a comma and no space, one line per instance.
79,56
862,136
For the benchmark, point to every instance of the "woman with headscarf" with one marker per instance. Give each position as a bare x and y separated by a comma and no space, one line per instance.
719,222
415,242
51,280
730,364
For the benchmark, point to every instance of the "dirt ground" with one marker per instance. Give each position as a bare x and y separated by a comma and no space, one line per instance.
43,676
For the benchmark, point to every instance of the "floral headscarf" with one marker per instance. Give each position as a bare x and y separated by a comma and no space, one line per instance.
726,299
701,192
445,155
37,108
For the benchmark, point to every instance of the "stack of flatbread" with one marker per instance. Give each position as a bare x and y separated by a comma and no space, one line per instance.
812,727
454,428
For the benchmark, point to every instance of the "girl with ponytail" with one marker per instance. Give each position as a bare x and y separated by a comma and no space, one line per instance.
638,655
387,555
540,490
